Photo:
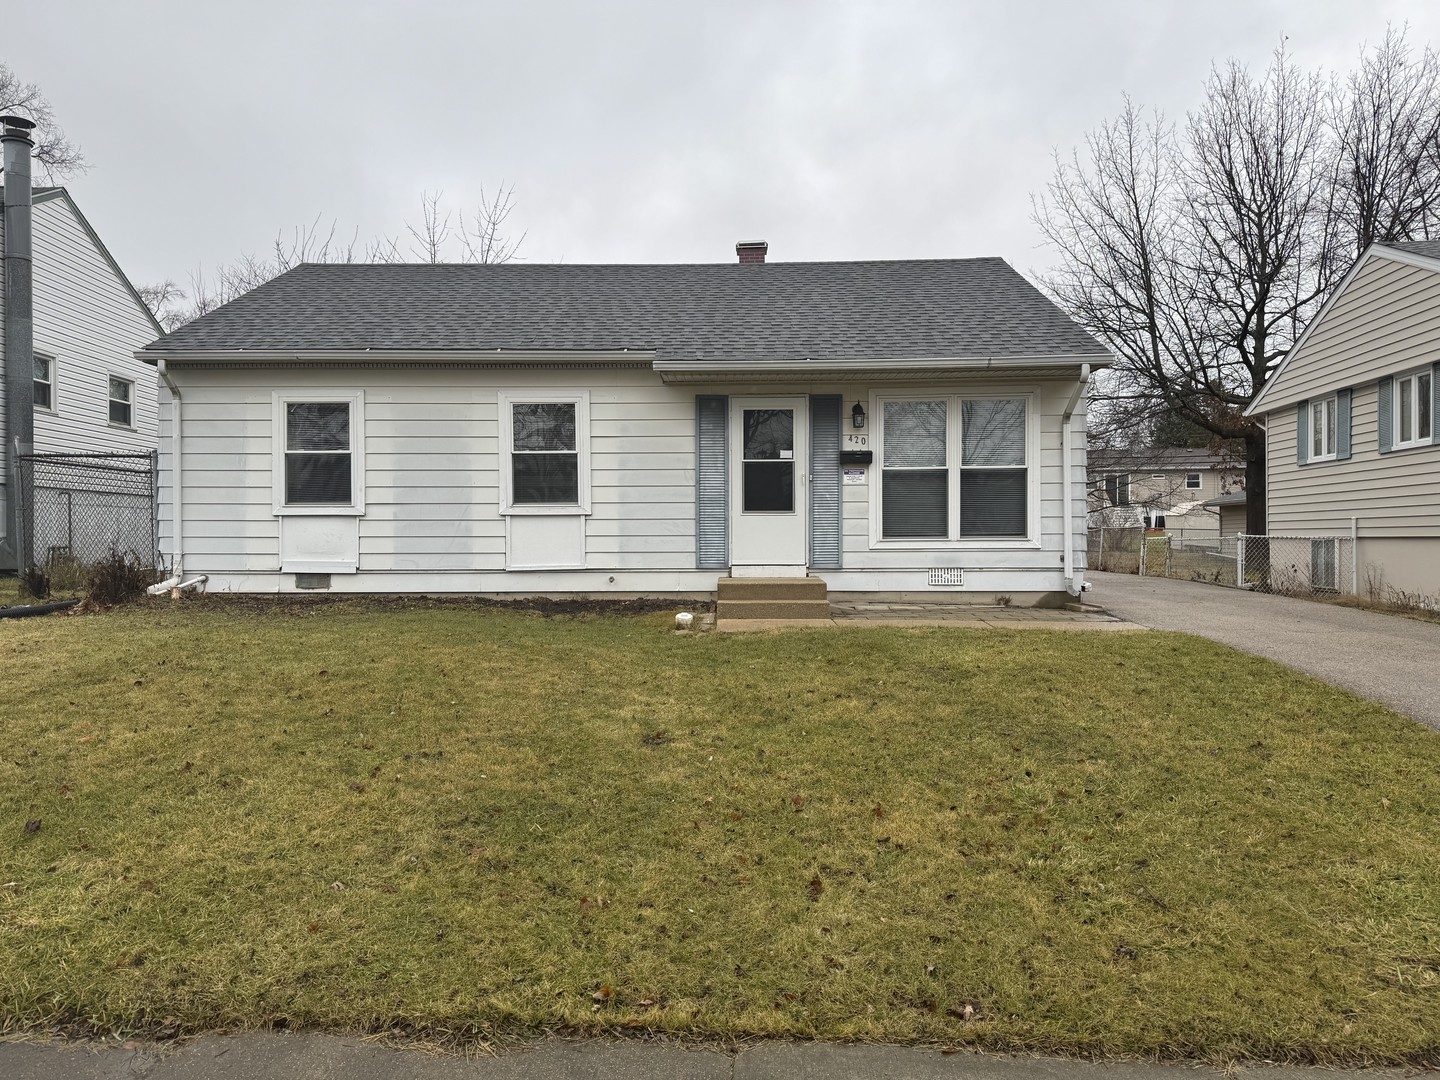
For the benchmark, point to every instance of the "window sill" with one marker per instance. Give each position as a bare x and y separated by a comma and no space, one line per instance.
1321,460
320,510
1018,543
120,427
546,510
1418,444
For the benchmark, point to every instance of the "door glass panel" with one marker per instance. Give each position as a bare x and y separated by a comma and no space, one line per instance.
768,473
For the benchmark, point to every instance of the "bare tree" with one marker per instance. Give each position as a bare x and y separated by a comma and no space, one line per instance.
430,238
1387,125
1198,254
483,238
57,155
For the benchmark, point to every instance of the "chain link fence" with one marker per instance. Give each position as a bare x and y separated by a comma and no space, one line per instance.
83,507
1304,566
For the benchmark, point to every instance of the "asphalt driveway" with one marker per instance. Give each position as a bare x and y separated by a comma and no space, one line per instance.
1391,659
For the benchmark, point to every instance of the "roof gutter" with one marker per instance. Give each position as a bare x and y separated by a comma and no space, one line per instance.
557,357
1073,584
809,365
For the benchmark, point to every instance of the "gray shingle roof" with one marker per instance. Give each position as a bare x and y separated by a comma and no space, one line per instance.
1428,248
773,311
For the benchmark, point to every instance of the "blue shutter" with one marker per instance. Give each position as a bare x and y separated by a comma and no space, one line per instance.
712,482
825,481
1342,425
1302,433
1386,407
1435,403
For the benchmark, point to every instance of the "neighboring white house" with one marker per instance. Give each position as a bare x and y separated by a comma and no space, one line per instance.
92,394
1351,415
1135,488
897,427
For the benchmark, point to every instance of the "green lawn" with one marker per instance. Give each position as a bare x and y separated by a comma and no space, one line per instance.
467,824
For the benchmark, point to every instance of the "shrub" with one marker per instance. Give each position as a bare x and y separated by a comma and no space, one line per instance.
35,583
117,579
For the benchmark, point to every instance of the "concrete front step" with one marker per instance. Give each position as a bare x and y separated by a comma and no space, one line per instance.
803,588
772,609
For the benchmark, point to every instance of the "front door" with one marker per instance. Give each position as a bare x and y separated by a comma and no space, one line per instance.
768,483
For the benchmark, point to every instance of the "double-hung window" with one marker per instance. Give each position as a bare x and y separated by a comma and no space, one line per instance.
545,440
319,454
122,393
44,382
915,485
1413,404
1192,481
954,468
1322,429
1117,489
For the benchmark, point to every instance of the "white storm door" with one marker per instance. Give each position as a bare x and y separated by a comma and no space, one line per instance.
768,438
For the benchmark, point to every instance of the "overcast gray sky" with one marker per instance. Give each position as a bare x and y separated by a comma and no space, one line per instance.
632,131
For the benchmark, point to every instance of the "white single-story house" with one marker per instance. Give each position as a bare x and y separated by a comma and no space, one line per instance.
907,427
70,325
1353,443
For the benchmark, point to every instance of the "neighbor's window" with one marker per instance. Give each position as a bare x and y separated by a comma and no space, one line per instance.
1117,489
1322,429
122,391
1414,400
993,472
44,382
318,453
915,477
1192,481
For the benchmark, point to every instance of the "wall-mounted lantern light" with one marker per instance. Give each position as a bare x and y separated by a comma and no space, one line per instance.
857,415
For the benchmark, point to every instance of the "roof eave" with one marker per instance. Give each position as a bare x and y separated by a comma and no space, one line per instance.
597,357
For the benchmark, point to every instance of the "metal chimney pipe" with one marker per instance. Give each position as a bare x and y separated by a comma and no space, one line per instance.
19,430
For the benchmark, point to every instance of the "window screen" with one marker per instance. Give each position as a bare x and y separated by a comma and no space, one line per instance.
993,480
44,382
120,404
544,459
915,478
317,453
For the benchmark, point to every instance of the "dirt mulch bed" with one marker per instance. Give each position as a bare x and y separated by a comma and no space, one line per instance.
545,606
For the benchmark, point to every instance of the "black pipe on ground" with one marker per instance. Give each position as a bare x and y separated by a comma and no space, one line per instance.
25,611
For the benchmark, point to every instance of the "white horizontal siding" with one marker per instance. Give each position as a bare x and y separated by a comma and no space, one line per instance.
432,478
88,320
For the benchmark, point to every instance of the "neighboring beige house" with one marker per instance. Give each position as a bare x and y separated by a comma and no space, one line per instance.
1353,442
1232,509
1136,487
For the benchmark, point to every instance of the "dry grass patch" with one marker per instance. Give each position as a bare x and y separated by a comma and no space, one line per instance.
468,822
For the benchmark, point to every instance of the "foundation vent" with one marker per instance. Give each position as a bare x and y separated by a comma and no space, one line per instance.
312,581
947,575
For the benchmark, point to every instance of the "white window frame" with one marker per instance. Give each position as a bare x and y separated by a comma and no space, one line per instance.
1416,439
129,402
356,400
40,354
1197,485
1317,406
1031,396
581,400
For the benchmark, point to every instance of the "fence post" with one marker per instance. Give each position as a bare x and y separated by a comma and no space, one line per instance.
1240,546
1354,556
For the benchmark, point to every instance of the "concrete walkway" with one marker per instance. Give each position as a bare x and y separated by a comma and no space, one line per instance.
862,613
1385,657
268,1056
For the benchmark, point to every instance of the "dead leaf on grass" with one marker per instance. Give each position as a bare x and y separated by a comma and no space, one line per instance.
605,993
815,888
32,826
798,802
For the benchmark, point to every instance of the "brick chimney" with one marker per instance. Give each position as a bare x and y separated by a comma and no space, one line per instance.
752,251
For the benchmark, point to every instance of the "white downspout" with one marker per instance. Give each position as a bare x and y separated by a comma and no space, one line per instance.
177,551
1067,457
